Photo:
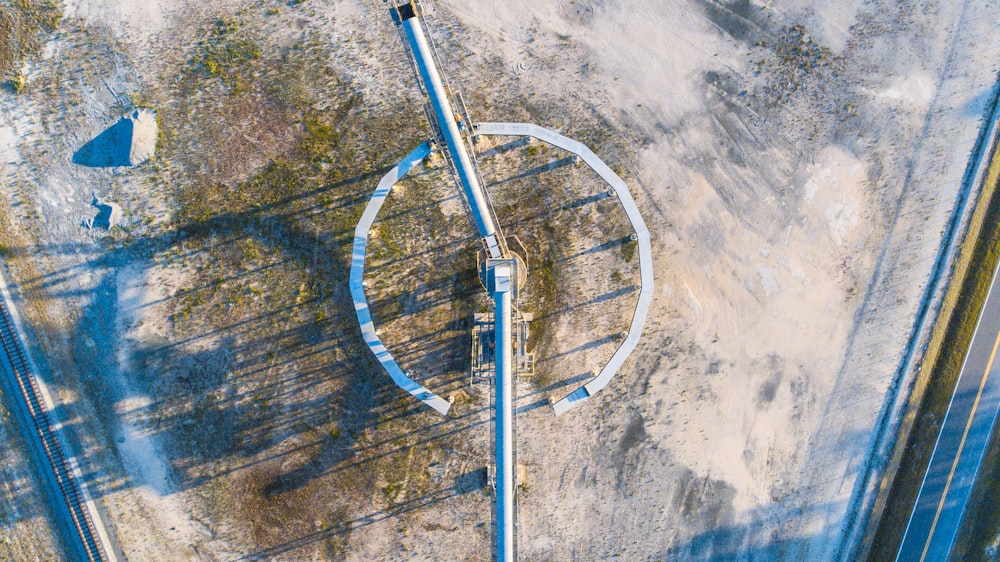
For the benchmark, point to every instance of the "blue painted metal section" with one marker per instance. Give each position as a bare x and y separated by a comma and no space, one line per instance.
501,281
445,115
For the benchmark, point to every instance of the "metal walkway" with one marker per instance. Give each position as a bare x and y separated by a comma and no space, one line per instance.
358,289
642,237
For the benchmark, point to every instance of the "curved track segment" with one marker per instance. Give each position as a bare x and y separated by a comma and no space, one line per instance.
642,237
358,289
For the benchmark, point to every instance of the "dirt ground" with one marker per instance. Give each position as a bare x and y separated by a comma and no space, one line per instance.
796,164
26,530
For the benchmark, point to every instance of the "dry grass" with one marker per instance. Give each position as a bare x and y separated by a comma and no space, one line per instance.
23,24
273,157
271,412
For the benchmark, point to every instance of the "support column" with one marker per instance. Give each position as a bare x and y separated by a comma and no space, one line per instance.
501,284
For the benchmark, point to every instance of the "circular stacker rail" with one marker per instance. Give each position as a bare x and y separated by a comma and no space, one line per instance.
499,273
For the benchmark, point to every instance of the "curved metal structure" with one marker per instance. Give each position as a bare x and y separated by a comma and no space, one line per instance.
499,269
642,237
500,272
358,288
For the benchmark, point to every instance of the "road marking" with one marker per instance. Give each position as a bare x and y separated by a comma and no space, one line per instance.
961,445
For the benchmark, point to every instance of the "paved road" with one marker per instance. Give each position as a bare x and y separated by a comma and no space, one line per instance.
958,452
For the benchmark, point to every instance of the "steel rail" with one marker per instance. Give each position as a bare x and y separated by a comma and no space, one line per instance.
67,488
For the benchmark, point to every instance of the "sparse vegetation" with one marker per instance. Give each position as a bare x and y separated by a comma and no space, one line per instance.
283,436
628,249
553,208
23,25
18,83
266,258
792,55
226,52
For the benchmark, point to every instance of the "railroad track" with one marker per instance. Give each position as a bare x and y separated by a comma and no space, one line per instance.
68,487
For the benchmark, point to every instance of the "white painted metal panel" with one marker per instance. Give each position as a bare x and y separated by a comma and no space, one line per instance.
358,289
642,237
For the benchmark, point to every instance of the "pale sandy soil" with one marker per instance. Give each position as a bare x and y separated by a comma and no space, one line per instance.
792,242
135,492
741,427
154,496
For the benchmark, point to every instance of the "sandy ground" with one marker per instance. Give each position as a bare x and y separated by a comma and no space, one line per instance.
787,278
141,452
795,210
133,483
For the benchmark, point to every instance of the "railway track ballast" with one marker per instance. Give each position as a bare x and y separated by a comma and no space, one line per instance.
66,485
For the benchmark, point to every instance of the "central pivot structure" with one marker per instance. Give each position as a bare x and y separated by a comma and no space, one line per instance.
499,343
501,271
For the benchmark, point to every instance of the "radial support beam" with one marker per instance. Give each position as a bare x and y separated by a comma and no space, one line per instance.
642,238
358,288
501,279
409,17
